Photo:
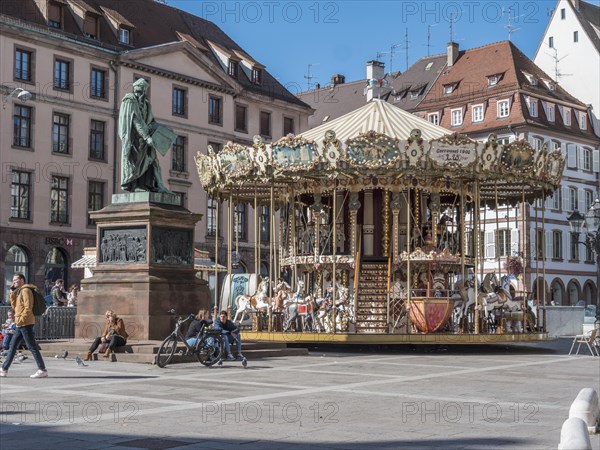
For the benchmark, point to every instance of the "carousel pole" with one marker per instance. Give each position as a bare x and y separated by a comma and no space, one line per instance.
476,225
216,282
544,329
497,230
229,249
292,235
334,250
536,244
271,252
256,233
462,231
408,250
523,245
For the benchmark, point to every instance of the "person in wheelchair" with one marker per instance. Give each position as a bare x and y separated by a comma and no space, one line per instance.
200,322
230,333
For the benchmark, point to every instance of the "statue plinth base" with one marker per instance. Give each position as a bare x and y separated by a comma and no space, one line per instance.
144,268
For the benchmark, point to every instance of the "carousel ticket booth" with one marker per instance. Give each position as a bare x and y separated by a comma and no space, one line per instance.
378,223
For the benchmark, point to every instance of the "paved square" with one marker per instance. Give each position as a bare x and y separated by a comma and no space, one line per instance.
428,397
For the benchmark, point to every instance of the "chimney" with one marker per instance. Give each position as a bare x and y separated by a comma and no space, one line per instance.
452,53
575,4
338,79
375,74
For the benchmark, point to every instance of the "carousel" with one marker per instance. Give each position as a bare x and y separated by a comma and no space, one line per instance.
375,221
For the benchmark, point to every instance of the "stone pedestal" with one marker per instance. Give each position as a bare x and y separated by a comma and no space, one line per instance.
144,267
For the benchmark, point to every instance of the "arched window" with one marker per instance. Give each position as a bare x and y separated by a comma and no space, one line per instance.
56,267
16,261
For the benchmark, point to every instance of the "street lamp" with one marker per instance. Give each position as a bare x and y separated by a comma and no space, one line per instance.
592,241
21,94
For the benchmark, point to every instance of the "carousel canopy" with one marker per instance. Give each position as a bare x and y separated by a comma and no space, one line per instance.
380,146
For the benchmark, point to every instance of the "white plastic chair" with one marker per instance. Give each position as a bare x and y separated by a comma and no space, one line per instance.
588,339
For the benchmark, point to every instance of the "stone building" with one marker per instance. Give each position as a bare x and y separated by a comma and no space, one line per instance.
65,66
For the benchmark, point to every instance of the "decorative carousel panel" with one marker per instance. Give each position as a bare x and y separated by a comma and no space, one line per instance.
332,152
517,158
294,154
490,155
414,150
454,151
555,164
260,156
540,163
234,161
206,172
372,150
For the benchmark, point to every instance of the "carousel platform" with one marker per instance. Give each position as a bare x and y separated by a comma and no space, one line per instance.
381,338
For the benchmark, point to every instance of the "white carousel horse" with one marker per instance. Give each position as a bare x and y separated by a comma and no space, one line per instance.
342,309
248,304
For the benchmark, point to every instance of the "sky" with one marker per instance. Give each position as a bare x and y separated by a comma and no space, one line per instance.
339,37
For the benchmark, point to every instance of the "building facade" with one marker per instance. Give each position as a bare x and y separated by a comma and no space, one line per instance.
570,52
66,65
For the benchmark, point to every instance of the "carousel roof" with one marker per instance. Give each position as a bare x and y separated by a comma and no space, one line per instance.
378,116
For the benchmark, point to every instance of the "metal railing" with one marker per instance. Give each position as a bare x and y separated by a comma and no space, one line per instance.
58,322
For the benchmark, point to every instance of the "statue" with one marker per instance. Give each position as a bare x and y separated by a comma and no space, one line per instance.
141,138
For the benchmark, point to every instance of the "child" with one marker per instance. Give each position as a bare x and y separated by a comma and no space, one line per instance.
8,330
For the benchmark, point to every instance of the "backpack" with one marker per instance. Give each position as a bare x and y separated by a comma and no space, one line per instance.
39,303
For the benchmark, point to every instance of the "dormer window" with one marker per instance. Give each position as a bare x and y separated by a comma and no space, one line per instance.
232,68
428,66
55,15
582,120
414,94
493,80
550,85
532,105
90,26
124,36
532,80
566,112
256,76
450,88
550,112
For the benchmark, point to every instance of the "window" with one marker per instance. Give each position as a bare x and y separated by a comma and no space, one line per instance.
62,75
449,88
477,113
563,14
551,42
556,146
265,123
587,160
179,101
556,200
215,146
288,126
537,143
573,249
20,195
567,116
540,243
124,36
59,195
214,110
98,83
457,117
493,80
241,118
557,244
589,198
22,126
211,217
265,224
503,140
532,105
434,118
582,120
239,227
95,199
54,15
428,66
550,112
575,36
60,133
503,242
97,140
90,26
178,150
22,65
256,76
572,199
232,68
503,108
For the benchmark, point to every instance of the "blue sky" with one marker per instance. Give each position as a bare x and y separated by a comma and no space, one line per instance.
340,36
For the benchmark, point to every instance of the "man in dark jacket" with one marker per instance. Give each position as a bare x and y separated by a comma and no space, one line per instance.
229,332
22,299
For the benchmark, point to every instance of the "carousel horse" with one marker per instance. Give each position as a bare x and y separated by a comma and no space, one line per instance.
278,302
248,304
341,309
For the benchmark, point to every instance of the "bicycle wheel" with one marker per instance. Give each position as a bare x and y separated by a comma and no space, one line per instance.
209,349
166,351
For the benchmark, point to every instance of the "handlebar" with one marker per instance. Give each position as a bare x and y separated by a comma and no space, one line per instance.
181,319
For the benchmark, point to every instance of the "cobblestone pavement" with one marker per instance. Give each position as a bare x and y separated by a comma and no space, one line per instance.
425,397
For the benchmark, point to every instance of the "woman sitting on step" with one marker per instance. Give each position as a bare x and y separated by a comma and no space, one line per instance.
114,335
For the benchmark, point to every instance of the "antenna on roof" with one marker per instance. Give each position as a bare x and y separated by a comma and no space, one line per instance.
406,46
392,53
557,74
428,45
309,76
452,19
509,27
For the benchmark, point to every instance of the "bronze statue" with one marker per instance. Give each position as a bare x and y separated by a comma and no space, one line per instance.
141,137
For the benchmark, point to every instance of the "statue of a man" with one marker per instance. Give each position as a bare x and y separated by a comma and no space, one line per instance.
140,170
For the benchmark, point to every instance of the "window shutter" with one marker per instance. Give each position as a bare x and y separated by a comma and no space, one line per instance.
596,160
548,254
581,153
571,156
514,241
581,201
565,198
89,26
54,13
490,245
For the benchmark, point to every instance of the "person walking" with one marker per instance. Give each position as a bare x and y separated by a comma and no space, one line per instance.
21,299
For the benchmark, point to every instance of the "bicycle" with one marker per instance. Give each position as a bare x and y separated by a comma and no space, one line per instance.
208,348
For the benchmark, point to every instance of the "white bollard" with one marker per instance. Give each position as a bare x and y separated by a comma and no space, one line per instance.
574,435
586,407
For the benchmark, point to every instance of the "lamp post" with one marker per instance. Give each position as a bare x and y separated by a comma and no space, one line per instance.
592,239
